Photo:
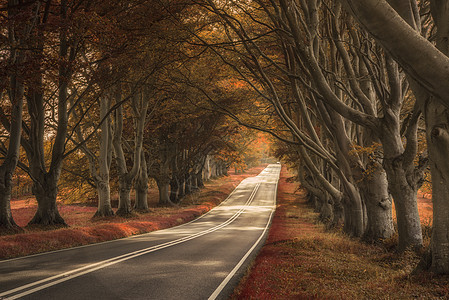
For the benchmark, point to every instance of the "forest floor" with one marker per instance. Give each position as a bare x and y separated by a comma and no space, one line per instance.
83,229
303,260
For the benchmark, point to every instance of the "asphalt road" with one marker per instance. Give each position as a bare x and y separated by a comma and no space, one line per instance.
202,259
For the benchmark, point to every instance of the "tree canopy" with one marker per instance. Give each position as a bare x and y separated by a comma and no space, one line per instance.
351,94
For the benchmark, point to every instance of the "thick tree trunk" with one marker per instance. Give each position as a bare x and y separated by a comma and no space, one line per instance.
217,170
353,211
45,184
317,203
104,163
437,123
124,205
378,207
207,168
163,185
104,199
402,182
141,204
45,189
406,206
6,219
11,159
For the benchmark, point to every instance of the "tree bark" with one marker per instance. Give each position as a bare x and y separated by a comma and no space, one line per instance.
124,205
193,181
45,189
406,45
104,208
174,189
141,186
378,206
199,179
437,124
174,181
104,163
11,159
126,178
45,184
188,184
353,208
16,95
163,185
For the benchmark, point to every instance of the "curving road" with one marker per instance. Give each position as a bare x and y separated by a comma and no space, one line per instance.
202,259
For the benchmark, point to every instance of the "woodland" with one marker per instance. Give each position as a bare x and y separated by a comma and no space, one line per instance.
106,96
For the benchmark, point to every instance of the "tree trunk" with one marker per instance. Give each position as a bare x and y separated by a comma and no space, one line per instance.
104,198
404,196
139,107
16,95
193,181
188,184
224,171
199,179
338,213
353,211
174,182
124,205
45,189
163,185
182,184
437,123
402,182
207,168
141,186
325,210
6,219
104,163
11,159
378,206
174,189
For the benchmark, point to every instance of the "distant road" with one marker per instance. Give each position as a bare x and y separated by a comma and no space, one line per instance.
198,260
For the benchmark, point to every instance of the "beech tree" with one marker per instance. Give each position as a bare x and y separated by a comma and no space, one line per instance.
404,180
396,25
19,21
327,67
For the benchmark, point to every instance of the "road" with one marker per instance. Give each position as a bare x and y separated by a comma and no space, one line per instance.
202,259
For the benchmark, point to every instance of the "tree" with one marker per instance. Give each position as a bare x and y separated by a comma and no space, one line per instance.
396,25
19,24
